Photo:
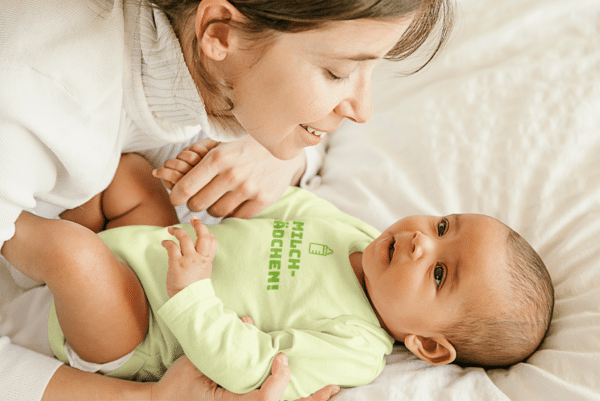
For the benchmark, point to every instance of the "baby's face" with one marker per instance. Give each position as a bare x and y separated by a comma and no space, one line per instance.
423,271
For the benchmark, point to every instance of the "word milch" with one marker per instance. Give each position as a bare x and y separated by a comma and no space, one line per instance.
276,253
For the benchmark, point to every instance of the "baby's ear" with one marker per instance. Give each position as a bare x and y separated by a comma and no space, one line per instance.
436,350
213,27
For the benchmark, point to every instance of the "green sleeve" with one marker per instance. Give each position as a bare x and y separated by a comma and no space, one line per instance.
238,356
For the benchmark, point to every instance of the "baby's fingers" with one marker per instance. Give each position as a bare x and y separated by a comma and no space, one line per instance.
172,249
185,241
206,244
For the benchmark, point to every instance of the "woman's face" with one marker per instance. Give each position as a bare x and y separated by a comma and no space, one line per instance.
308,81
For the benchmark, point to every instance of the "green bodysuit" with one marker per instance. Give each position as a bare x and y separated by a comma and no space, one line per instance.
288,269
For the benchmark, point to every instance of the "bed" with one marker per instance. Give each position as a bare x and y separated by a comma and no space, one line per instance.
506,123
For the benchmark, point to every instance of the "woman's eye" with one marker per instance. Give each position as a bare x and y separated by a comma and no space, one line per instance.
442,227
438,275
334,77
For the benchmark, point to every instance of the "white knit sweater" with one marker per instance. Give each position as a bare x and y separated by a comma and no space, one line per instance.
82,81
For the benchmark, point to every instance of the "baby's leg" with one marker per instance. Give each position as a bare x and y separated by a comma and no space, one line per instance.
100,303
134,197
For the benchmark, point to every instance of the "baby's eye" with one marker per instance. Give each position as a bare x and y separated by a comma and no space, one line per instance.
438,274
442,227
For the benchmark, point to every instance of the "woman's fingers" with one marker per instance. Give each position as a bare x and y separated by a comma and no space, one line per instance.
189,185
174,170
178,165
189,158
201,148
168,176
200,174
275,385
247,209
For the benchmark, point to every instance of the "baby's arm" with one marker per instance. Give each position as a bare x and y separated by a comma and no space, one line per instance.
189,262
238,356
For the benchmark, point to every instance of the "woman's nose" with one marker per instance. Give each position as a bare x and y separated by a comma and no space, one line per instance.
421,244
357,106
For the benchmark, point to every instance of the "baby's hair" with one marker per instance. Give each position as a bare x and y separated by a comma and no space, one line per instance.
267,17
513,328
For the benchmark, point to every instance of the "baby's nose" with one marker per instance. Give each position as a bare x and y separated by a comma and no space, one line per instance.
420,244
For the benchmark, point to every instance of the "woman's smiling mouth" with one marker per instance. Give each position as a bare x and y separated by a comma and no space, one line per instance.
310,136
313,131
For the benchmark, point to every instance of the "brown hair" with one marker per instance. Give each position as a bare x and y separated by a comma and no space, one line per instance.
513,330
266,17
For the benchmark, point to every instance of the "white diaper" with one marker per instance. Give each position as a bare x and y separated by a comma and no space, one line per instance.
76,362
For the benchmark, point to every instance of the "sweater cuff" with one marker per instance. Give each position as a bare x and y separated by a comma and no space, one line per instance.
24,374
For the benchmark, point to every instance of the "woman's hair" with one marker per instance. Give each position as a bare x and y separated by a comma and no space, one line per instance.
267,17
515,322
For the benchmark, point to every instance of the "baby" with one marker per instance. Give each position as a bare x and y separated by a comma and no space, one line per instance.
323,287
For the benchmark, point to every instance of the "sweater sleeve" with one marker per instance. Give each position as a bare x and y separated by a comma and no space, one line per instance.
54,145
24,374
238,356
38,136
26,169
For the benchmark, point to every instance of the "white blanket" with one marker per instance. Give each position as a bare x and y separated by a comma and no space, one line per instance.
507,123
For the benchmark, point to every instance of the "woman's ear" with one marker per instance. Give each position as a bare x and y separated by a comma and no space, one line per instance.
213,27
436,351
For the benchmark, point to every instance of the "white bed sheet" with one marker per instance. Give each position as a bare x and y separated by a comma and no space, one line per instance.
506,123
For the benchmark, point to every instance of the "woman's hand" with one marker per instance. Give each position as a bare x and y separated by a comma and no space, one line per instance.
184,382
238,179
181,382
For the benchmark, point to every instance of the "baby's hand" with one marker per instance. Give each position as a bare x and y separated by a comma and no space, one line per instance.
192,262
174,169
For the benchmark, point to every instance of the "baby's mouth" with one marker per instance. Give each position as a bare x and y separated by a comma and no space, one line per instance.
391,249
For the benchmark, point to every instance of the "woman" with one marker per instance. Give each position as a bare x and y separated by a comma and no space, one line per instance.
86,80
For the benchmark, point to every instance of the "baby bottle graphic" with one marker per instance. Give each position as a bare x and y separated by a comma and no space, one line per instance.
319,249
